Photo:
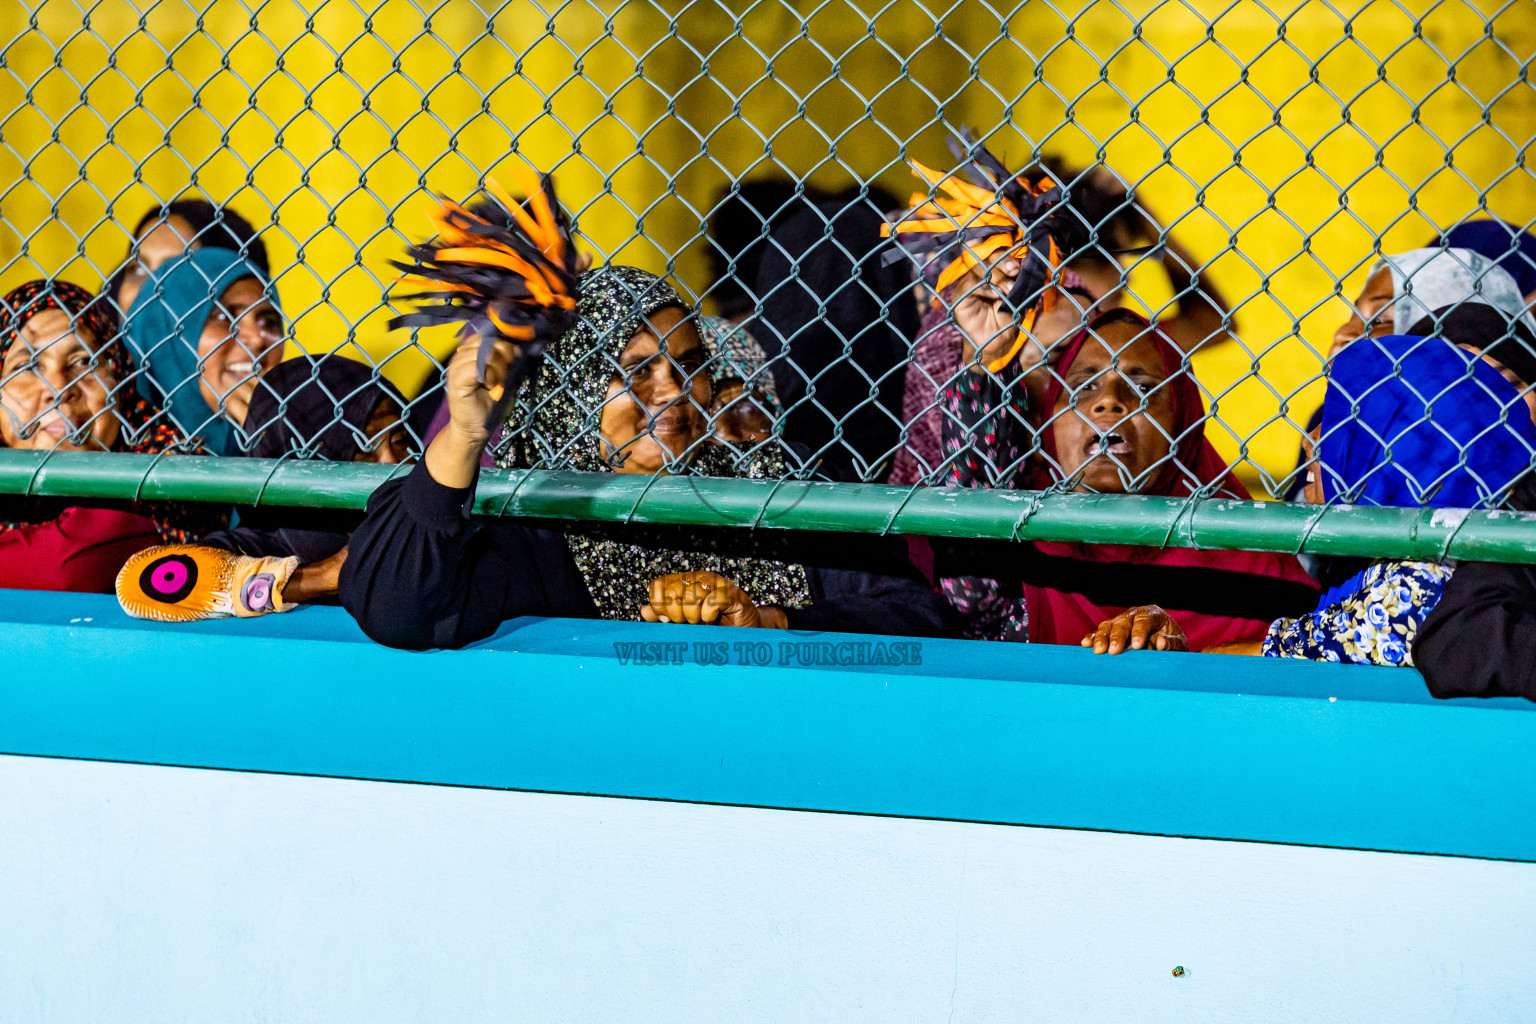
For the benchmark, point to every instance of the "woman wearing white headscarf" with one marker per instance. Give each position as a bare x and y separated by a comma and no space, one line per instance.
1403,289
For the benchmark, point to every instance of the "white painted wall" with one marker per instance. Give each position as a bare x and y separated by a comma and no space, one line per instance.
132,894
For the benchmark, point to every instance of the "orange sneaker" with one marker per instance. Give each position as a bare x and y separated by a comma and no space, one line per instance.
190,582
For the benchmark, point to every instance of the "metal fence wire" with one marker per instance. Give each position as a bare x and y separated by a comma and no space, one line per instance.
1199,273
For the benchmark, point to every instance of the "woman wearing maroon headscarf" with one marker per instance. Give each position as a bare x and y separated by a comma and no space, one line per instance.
64,386
1121,416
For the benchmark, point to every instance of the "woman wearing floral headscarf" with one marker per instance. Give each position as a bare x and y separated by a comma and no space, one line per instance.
65,386
624,390
990,253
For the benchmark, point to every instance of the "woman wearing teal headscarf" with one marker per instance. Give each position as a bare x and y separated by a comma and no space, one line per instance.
203,330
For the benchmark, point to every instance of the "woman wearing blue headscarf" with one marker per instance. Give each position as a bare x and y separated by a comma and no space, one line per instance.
1407,421
1410,422
203,329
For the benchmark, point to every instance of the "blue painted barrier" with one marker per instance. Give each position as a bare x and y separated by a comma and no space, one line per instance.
1163,744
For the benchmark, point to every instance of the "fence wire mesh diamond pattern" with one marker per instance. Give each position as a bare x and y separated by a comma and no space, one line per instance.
1265,193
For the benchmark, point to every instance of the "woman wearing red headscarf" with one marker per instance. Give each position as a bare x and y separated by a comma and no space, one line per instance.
1121,416
64,386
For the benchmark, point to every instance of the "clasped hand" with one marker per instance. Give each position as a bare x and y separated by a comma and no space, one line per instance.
706,599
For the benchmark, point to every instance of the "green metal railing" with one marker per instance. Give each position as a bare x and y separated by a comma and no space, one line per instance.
1426,534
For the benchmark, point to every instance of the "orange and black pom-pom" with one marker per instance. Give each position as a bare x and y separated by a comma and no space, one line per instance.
504,269
971,225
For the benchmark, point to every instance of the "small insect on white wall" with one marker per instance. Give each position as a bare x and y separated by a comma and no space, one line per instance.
162,894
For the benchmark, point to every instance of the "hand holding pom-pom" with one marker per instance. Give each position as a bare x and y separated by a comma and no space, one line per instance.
505,270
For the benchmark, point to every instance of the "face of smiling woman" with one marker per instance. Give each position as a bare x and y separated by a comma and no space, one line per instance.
49,390
242,340
656,407
1108,433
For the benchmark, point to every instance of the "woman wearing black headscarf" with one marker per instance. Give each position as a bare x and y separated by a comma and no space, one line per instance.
623,390
332,408
838,320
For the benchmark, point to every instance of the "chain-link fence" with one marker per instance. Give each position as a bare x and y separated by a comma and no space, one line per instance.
1256,188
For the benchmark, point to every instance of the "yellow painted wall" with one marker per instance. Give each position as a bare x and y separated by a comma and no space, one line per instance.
333,121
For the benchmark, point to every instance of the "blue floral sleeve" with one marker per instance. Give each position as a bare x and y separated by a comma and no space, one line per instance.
1373,625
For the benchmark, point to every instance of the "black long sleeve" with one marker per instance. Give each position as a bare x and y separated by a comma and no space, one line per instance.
866,584
311,535
420,573
1480,640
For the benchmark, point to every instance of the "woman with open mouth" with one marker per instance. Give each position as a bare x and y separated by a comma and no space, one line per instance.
1121,416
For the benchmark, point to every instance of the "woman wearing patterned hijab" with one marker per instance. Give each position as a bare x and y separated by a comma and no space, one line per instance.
624,390
66,385
746,402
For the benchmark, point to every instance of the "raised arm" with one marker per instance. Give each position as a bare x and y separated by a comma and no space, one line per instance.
420,573
1202,309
